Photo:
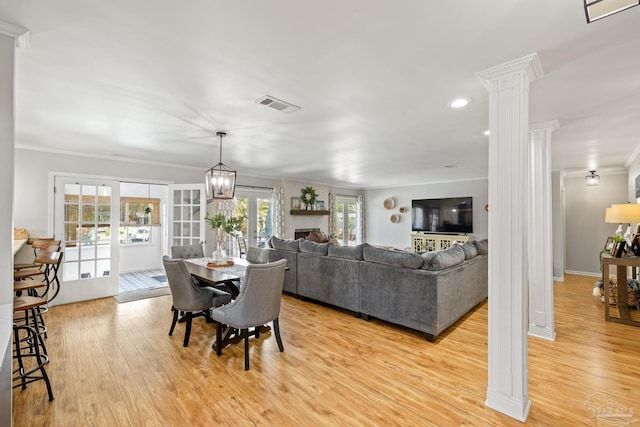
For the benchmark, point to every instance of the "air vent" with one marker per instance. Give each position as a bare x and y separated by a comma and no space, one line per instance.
277,104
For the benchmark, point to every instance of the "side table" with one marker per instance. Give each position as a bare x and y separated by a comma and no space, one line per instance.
621,272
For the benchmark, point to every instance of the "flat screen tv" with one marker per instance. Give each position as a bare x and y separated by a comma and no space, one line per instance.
451,215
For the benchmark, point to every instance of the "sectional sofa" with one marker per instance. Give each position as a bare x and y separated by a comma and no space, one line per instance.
425,292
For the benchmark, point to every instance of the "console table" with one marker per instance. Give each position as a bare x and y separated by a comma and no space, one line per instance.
435,242
621,273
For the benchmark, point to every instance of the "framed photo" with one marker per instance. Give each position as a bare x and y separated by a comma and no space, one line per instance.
320,205
635,244
619,249
296,203
609,245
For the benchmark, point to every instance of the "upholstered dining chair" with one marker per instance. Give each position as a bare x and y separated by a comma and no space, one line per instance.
258,303
187,251
257,255
188,297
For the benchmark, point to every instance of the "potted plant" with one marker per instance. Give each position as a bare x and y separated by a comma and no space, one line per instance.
223,226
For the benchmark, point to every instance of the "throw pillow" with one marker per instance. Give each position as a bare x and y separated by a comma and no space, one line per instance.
392,257
285,244
348,252
447,258
470,250
482,246
309,247
428,257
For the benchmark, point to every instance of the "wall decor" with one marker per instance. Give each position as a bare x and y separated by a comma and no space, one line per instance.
395,218
402,209
389,203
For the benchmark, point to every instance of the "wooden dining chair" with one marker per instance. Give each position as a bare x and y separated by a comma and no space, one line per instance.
258,303
242,245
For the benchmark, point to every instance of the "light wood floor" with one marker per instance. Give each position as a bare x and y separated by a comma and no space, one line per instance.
114,365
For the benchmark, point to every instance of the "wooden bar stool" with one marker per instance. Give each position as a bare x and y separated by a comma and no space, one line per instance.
32,308
30,360
37,244
51,262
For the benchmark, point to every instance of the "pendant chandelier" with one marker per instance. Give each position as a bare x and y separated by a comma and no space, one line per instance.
220,180
592,179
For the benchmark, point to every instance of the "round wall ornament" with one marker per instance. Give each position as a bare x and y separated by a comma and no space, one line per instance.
395,218
389,203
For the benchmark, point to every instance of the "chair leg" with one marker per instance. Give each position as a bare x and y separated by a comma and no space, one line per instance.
219,339
175,320
187,330
276,331
245,332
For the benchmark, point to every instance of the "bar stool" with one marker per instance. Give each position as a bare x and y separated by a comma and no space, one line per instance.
37,268
30,360
31,306
51,262
37,244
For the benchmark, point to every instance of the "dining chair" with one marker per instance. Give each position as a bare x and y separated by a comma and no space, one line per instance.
188,297
187,251
258,303
257,255
242,245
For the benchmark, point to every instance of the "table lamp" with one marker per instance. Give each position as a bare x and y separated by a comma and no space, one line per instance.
621,213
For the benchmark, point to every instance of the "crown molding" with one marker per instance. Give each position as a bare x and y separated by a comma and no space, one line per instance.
632,158
21,35
530,64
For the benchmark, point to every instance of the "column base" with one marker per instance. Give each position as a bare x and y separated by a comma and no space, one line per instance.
508,405
542,332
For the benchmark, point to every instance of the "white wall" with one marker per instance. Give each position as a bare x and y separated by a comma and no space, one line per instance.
586,231
381,231
6,220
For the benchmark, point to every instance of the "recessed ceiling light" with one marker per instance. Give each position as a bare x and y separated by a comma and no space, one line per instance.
459,102
486,132
451,166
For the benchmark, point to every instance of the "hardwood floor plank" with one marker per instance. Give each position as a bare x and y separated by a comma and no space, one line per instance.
114,364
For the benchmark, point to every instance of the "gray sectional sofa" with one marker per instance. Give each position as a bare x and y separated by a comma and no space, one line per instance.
425,292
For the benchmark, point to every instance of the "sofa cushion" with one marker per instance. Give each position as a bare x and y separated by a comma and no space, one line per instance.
469,249
447,258
310,247
427,257
393,257
482,246
348,252
285,244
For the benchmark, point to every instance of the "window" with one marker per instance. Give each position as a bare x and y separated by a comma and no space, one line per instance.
136,219
256,207
345,219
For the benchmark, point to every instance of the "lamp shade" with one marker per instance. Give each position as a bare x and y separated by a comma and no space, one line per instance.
627,212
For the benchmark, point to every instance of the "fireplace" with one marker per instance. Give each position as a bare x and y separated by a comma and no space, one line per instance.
301,233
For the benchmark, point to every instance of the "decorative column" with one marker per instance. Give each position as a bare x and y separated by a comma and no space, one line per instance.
541,318
11,36
508,86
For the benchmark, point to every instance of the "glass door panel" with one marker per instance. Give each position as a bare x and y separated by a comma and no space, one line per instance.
188,212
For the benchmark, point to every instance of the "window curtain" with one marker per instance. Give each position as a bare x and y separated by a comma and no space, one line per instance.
332,214
360,237
226,208
277,217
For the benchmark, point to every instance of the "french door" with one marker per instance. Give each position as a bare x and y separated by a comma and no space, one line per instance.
86,220
256,206
187,210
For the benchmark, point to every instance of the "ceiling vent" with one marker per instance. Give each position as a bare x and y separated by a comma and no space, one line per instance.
277,104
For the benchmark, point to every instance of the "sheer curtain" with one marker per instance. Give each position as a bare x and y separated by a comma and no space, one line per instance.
227,208
277,218
332,214
360,235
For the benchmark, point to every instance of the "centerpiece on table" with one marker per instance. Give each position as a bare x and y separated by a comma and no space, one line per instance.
224,226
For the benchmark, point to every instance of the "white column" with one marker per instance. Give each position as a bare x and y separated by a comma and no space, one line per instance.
508,86
10,37
541,318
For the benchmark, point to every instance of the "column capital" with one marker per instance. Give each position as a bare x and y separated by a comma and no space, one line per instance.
550,126
529,64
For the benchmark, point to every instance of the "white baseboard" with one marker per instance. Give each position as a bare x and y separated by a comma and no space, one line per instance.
558,279
583,273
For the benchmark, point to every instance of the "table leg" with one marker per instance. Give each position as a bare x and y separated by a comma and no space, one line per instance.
605,286
622,301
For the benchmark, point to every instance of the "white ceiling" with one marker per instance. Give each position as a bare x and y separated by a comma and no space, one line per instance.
154,80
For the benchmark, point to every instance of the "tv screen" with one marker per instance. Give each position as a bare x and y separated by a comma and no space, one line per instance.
451,215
